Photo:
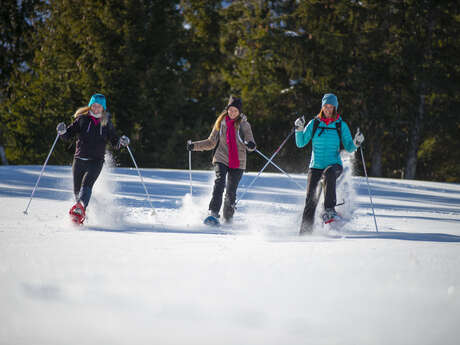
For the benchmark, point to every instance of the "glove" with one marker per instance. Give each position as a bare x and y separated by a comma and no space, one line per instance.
61,128
251,145
359,138
299,124
190,145
123,141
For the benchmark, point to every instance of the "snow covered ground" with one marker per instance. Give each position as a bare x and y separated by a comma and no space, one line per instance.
128,277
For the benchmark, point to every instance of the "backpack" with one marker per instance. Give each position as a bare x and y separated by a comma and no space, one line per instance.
338,128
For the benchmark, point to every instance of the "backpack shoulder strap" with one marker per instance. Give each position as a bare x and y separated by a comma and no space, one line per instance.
315,126
338,127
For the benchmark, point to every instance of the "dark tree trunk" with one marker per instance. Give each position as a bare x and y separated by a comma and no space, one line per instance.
3,156
376,162
423,88
2,150
414,141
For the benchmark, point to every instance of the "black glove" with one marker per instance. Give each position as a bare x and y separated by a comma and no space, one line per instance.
251,145
190,145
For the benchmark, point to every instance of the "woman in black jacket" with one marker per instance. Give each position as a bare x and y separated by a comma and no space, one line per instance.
93,130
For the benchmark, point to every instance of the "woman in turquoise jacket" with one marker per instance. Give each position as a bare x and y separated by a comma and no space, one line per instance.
326,131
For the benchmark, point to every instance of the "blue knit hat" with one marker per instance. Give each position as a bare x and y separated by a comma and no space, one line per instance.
99,99
330,98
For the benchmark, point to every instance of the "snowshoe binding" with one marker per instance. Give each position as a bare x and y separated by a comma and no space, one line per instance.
77,213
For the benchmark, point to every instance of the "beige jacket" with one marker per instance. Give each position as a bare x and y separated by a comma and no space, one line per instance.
243,134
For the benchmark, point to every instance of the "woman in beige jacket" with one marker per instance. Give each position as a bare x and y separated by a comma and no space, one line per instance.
232,135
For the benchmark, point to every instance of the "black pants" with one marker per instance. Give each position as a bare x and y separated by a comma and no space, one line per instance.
330,175
85,173
228,179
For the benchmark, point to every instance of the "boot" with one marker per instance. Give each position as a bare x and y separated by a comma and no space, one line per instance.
306,228
214,214
229,210
328,215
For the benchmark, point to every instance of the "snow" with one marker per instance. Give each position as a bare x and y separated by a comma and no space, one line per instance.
130,277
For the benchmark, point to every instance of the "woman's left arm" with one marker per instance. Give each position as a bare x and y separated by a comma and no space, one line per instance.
347,139
112,135
248,136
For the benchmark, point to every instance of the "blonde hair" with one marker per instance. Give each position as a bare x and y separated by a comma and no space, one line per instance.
222,116
322,116
85,111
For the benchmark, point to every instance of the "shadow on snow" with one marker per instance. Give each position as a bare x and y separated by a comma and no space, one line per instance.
392,235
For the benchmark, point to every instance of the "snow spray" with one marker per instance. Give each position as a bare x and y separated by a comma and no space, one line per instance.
103,207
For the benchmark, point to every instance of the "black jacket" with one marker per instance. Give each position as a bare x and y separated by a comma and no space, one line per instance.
91,138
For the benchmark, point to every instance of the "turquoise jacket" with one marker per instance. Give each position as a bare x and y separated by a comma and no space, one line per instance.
326,143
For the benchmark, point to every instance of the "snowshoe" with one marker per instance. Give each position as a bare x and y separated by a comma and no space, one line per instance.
212,219
77,213
329,215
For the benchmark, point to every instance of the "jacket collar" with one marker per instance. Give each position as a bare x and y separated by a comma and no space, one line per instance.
330,120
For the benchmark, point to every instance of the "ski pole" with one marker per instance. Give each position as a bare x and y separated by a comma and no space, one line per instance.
369,189
266,164
41,173
142,180
190,166
285,173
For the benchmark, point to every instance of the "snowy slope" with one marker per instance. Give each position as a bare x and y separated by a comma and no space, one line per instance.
128,277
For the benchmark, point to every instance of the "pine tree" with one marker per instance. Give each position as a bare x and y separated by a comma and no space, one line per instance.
126,50
16,26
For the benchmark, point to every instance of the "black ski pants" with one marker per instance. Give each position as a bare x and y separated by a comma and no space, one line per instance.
85,173
329,175
228,179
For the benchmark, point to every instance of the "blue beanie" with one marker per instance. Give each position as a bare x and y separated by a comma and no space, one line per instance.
99,99
330,98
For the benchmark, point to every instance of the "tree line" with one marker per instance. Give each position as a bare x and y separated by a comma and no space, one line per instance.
167,68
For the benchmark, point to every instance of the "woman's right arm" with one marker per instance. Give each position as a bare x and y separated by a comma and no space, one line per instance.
302,138
207,144
72,129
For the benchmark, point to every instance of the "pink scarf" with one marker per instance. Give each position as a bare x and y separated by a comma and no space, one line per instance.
330,120
95,120
233,160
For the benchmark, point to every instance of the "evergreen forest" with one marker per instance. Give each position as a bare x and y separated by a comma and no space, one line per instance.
168,67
